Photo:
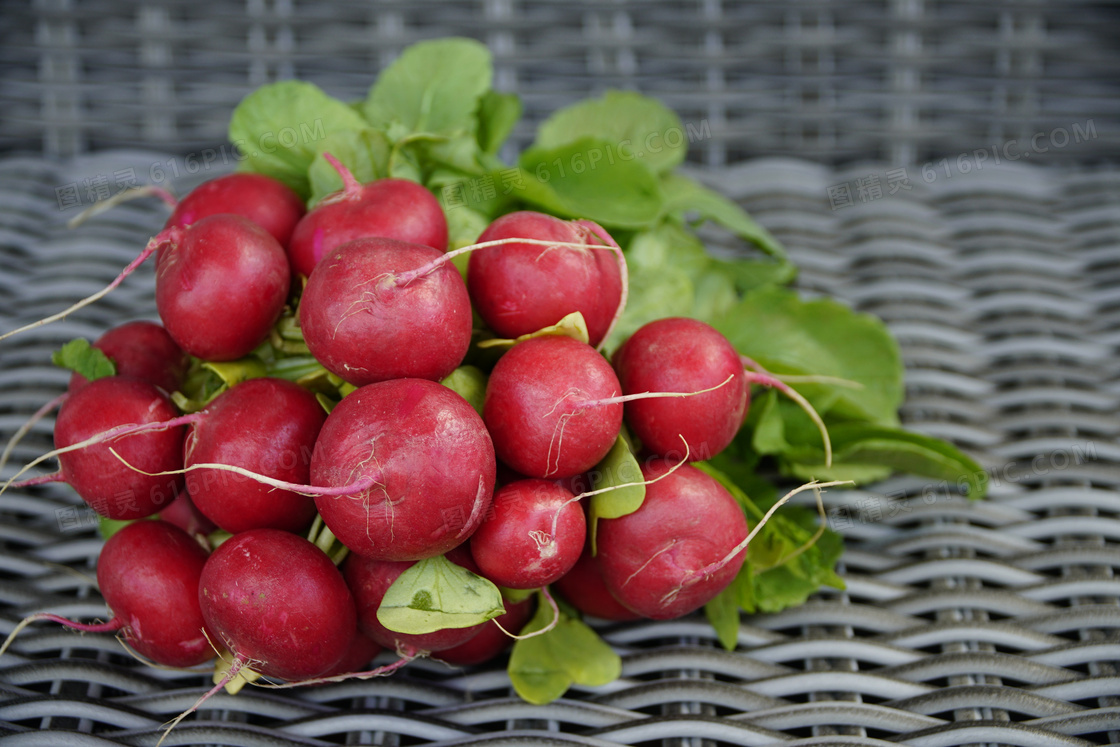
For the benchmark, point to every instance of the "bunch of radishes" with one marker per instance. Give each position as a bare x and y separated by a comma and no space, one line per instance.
431,495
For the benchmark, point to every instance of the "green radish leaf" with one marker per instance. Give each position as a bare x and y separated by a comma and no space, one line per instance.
498,113
893,449
108,527
364,152
279,126
434,594
580,180
723,614
433,87
573,325
684,196
787,335
543,667
84,359
619,467
514,596
469,382
639,128
464,226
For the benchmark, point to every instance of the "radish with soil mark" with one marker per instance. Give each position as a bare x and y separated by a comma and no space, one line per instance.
532,536
430,461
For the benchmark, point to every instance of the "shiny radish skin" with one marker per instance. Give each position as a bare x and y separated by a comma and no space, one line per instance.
520,288
388,208
364,327
534,409
142,350
533,535
270,204
268,426
583,587
220,286
110,487
683,355
431,457
278,603
149,573
369,579
687,522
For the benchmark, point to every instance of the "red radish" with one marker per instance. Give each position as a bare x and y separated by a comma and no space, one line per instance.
110,487
492,639
430,458
267,426
670,557
584,588
263,200
278,604
361,652
520,288
142,350
543,411
149,573
364,326
683,355
220,286
369,579
533,535
389,208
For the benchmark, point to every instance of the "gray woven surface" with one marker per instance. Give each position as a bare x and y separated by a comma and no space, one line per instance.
994,623
903,81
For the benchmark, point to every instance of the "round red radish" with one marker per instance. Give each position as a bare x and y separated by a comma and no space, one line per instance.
390,208
265,201
491,640
520,288
683,355
369,579
661,561
149,573
267,426
110,487
142,350
532,536
541,407
432,460
584,588
220,286
365,327
278,603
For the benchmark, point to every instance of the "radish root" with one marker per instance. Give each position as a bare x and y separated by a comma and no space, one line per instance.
168,236
24,429
111,626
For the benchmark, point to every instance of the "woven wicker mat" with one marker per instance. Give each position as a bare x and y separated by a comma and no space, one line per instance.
991,623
